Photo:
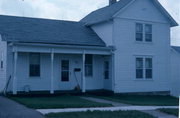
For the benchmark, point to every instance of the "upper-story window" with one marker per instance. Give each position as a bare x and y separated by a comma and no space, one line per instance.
148,33
139,32
143,32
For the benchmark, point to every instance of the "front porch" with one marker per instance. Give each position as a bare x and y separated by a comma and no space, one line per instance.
38,67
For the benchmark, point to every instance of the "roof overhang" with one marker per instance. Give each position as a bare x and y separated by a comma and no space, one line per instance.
64,49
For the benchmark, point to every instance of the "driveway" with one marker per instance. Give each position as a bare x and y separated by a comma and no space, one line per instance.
11,109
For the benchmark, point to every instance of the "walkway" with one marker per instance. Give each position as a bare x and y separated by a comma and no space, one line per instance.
152,110
159,114
139,108
11,109
115,104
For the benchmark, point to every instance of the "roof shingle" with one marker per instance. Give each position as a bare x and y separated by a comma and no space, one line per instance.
21,29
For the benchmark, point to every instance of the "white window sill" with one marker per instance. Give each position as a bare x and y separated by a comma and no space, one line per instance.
35,78
144,79
143,42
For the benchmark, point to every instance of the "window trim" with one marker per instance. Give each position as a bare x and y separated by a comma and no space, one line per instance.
144,67
144,33
34,77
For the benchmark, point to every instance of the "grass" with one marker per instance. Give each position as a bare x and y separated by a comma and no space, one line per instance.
170,111
101,114
148,100
65,101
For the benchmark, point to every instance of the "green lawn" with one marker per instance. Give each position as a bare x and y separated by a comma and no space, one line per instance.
101,114
143,100
170,111
57,102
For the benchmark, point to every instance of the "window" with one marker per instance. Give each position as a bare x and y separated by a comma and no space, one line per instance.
34,65
143,32
148,33
106,70
148,68
144,68
89,65
1,64
65,70
139,68
139,32
1,61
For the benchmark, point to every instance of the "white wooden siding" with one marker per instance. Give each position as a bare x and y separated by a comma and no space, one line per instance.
3,49
175,73
127,48
43,83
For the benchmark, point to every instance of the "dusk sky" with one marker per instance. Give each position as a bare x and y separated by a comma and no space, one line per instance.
75,10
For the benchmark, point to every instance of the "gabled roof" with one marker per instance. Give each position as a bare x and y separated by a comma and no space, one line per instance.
177,48
108,12
34,30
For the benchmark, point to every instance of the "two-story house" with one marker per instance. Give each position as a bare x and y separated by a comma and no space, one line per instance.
123,47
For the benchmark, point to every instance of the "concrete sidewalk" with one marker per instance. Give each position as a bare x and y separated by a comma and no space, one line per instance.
11,109
115,104
139,108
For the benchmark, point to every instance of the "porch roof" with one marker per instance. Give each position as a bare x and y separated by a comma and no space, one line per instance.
35,30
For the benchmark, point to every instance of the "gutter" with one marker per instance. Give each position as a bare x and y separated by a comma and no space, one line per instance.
110,48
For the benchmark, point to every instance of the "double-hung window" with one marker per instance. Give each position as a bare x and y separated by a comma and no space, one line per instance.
1,63
34,65
139,32
89,65
148,33
144,68
148,64
139,68
106,70
143,32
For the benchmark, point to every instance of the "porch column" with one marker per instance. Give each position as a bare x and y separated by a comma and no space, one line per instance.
83,73
52,72
113,71
15,73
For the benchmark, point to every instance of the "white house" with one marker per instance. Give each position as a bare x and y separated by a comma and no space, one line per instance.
124,47
175,71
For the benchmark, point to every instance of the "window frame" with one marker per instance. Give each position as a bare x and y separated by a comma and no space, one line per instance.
67,70
144,67
30,65
87,65
144,33
2,61
106,70
136,32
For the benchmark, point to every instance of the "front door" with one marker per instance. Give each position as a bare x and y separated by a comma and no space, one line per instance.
65,73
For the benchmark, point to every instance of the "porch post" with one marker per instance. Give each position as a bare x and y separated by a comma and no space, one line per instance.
15,73
113,71
52,72
83,73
